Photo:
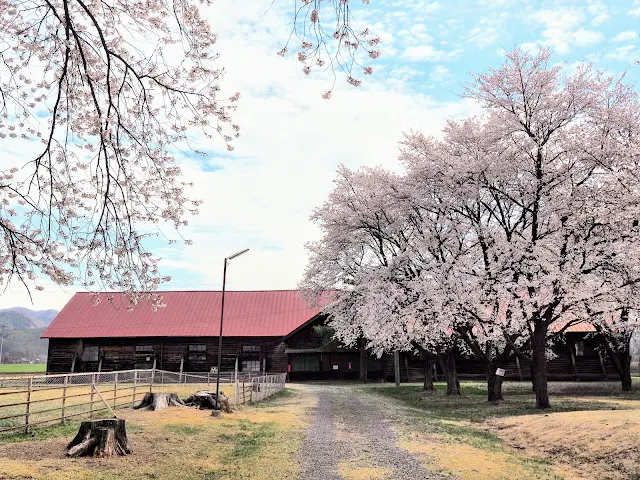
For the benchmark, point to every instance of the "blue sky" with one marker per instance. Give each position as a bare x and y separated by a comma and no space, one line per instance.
260,195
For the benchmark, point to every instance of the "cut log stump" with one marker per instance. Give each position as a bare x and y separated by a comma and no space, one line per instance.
158,401
100,438
205,399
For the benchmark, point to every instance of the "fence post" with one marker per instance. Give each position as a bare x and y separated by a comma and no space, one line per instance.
135,384
28,412
64,396
236,396
153,375
115,390
93,384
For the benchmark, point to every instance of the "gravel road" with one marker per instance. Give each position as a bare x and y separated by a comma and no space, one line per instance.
352,428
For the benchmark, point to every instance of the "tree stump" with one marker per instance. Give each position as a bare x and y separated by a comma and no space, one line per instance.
205,399
158,401
100,438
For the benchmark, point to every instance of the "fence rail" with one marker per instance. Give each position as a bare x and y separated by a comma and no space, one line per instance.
30,401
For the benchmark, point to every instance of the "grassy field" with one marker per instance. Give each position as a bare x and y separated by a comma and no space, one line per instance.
591,431
23,368
259,441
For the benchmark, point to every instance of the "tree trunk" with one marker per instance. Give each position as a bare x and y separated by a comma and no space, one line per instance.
100,438
363,361
447,362
428,372
539,364
494,385
159,401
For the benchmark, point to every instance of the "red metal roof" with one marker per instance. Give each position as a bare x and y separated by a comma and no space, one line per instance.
187,314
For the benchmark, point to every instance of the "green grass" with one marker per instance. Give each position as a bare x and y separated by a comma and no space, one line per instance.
275,399
23,368
68,429
184,430
518,399
441,414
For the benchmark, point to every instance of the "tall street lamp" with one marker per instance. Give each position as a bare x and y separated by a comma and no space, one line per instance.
216,412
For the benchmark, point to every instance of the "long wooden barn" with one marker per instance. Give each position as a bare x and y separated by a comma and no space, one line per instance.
263,331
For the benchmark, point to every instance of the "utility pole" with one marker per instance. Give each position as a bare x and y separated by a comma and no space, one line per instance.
1,341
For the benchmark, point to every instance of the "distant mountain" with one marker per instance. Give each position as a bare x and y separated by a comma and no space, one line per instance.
21,318
22,331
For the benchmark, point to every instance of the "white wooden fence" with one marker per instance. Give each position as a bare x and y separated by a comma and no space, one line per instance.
30,401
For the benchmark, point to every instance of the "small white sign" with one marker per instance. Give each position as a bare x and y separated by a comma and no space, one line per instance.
335,367
148,359
213,370
500,372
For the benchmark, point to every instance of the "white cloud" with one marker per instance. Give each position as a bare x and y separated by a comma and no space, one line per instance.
626,53
427,53
440,73
599,12
635,12
562,29
625,36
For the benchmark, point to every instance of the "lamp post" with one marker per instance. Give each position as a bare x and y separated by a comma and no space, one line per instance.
216,412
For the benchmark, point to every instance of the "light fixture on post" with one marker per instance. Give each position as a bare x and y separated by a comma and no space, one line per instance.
216,412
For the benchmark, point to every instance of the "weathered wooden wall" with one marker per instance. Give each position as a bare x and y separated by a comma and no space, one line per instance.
120,353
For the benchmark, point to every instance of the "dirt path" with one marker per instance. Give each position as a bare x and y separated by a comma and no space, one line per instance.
351,437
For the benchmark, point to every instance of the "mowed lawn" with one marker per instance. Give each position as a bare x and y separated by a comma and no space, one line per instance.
9,368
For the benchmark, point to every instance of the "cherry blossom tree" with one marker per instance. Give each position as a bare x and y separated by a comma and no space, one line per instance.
556,144
102,96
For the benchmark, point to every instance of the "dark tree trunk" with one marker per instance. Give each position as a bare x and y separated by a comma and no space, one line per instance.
539,362
100,438
494,385
363,361
447,362
428,372
619,350
620,354
532,371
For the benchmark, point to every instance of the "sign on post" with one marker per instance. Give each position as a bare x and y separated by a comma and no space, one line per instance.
500,372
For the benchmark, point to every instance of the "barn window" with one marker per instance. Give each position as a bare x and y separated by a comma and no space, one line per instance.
580,349
90,353
144,348
197,353
251,365
309,362
251,349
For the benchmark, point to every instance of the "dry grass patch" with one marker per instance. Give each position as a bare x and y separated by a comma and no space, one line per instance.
351,471
253,442
600,444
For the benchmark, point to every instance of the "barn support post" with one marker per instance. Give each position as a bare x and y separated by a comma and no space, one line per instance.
181,368
73,363
27,416
396,366
100,363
